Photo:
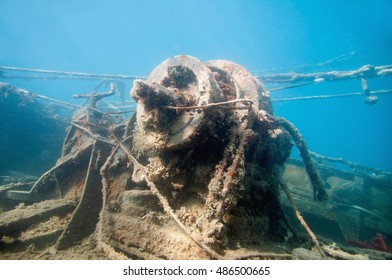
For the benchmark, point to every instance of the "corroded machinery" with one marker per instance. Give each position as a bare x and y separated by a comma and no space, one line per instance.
203,134
194,173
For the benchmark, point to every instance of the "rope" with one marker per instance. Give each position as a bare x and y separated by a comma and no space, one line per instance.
365,87
329,96
37,77
338,58
59,102
292,86
353,165
370,98
302,220
318,187
367,71
72,74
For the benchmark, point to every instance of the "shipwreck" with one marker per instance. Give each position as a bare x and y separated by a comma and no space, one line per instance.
200,170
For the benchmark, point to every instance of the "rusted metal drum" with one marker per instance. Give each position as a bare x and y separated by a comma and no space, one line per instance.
178,81
247,85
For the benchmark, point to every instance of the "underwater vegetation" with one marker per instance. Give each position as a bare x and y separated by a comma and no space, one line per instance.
378,242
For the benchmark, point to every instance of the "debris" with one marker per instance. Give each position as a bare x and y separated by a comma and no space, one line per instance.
15,221
203,141
319,191
339,254
304,254
301,219
267,256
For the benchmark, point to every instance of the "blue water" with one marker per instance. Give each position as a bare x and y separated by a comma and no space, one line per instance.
132,37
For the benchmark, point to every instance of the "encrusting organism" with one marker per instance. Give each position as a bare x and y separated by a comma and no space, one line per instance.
203,149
